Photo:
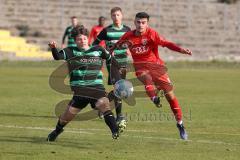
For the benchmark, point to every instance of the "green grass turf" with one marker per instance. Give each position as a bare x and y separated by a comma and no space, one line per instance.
208,93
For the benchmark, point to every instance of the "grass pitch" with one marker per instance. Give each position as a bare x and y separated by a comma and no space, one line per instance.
208,93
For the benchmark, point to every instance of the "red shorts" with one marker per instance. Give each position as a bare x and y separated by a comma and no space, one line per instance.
154,74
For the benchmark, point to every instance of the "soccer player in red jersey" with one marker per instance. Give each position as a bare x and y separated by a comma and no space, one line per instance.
96,30
143,44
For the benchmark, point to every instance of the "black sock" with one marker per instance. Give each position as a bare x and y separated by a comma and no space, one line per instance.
110,121
118,106
59,126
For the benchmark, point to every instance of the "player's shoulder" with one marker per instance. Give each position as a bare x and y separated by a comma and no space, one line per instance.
129,33
127,27
69,27
151,33
96,48
108,27
69,49
151,30
95,27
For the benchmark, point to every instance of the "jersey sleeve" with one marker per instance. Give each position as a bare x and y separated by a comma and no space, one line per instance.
124,36
63,54
101,36
117,45
113,64
105,54
159,40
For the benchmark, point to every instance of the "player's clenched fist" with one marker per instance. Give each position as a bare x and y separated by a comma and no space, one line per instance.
186,51
52,44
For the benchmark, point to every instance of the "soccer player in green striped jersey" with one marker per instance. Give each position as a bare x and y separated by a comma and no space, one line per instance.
86,81
111,34
67,33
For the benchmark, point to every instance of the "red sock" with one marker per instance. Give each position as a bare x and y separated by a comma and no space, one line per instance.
150,90
176,109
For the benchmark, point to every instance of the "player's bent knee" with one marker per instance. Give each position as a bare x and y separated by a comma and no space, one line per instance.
103,104
73,110
169,95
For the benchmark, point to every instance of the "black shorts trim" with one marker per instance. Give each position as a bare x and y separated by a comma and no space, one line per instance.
93,92
81,102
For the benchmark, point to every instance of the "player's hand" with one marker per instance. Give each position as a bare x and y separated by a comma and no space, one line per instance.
52,44
111,49
186,51
123,70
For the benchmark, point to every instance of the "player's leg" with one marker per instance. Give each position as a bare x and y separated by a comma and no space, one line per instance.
74,107
156,70
103,106
63,120
121,120
117,101
164,83
100,114
176,109
147,80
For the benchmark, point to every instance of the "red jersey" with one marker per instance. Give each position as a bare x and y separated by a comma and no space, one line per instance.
144,48
93,35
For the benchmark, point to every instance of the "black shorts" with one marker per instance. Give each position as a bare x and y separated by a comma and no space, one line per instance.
82,102
87,95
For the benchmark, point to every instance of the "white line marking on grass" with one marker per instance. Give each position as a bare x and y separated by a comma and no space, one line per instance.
215,133
85,131
44,128
193,141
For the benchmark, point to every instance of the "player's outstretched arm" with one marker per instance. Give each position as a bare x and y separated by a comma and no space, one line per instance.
101,36
186,51
56,55
170,45
174,47
122,43
114,66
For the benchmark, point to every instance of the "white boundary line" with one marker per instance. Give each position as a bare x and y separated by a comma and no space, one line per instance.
129,130
43,129
85,131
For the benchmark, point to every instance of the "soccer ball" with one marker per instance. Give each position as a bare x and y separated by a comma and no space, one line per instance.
123,89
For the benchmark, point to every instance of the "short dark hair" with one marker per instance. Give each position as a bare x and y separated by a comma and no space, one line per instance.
101,17
73,17
116,9
79,29
142,15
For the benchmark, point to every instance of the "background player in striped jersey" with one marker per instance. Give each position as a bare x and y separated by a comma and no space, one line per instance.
143,44
67,33
111,34
84,64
